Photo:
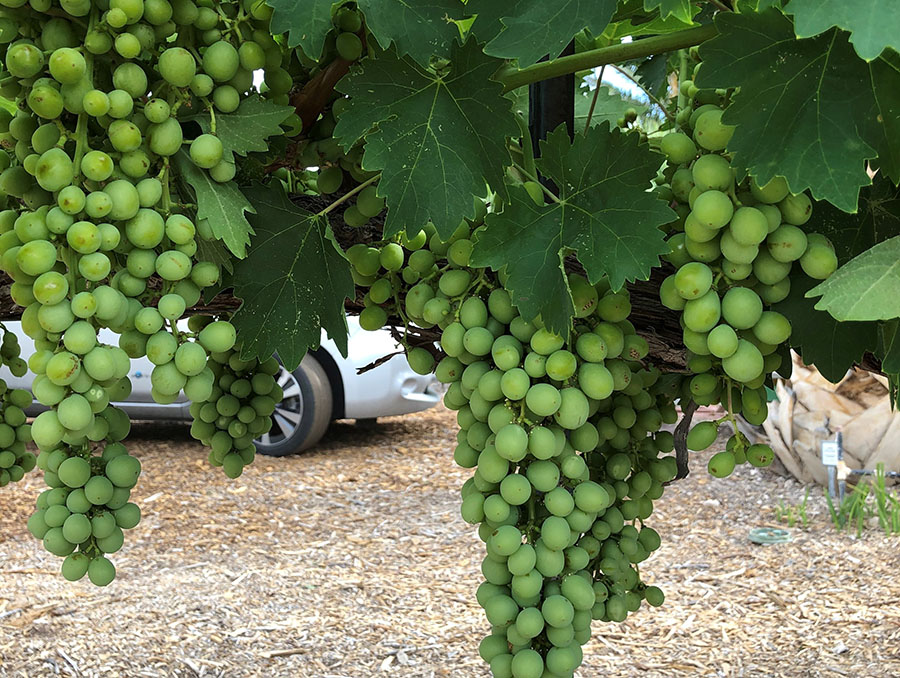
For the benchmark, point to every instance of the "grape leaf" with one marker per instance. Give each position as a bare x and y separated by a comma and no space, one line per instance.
680,9
487,25
531,248
223,205
883,128
795,113
604,213
890,339
214,251
420,29
306,22
610,106
865,288
638,27
437,138
877,220
292,283
535,28
745,6
632,19
830,345
248,127
873,24
653,73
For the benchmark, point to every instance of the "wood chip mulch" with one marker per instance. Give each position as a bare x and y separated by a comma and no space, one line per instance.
352,562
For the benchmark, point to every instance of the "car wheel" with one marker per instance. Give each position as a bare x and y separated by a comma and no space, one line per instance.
303,415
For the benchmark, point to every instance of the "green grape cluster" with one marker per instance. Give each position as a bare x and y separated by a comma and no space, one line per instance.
15,460
417,277
564,438
735,247
320,164
236,403
100,230
334,166
82,515
347,43
563,435
329,163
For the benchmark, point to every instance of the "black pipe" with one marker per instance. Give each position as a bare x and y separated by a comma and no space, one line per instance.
551,103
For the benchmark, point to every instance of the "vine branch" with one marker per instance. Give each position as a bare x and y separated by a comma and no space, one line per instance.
534,177
720,5
527,148
646,91
606,55
681,433
310,101
349,194
682,76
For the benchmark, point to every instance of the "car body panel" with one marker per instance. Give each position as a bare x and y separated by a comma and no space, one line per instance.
390,389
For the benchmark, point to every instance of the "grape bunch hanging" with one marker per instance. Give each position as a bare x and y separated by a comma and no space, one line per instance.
100,231
564,434
735,248
15,459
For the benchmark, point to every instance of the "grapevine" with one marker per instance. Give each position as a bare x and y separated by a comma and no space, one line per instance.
219,181
564,432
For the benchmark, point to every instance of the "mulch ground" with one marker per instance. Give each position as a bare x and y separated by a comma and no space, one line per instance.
351,561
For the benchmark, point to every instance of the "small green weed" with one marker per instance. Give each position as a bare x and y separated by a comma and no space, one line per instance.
793,515
869,498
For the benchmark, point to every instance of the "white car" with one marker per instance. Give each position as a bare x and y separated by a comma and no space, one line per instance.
323,388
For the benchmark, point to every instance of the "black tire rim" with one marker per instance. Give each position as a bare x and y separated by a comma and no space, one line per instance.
288,413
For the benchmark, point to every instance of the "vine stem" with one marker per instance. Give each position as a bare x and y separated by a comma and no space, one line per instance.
349,194
527,148
682,76
81,124
646,91
625,51
587,125
212,115
71,263
534,178
720,5
166,196
531,514
731,417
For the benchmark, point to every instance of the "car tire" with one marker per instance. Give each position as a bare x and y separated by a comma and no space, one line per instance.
303,416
